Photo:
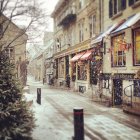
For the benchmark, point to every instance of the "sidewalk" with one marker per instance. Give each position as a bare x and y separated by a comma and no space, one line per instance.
54,117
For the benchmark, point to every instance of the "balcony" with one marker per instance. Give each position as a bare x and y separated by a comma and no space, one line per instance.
68,16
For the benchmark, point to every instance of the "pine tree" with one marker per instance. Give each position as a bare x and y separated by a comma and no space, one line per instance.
16,120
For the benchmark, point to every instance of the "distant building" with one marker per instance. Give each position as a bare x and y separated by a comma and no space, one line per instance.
13,42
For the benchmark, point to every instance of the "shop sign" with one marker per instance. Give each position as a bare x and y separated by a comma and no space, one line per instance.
123,76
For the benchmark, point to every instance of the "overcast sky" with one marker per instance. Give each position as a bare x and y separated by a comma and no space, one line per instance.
49,6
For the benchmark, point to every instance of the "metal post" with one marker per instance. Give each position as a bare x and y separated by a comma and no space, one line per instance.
39,96
78,124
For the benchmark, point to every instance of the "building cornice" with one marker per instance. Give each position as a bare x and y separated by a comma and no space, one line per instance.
60,4
85,45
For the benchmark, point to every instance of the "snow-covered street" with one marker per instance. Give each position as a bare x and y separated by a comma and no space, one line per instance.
54,117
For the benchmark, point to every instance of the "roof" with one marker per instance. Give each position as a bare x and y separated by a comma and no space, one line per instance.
128,23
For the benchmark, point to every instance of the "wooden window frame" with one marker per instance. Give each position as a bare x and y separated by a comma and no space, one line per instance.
134,44
112,54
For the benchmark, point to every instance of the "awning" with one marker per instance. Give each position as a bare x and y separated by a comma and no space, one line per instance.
77,57
107,32
128,23
87,55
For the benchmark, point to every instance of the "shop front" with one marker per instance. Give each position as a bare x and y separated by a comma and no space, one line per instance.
80,70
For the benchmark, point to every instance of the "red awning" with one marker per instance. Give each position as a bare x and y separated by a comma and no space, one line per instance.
87,55
77,56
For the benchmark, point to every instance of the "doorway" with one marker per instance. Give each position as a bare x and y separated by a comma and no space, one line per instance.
117,90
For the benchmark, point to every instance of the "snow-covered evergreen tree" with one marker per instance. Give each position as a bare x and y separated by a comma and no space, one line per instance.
16,120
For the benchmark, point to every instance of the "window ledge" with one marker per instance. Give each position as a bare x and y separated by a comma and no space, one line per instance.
82,81
117,15
135,5
119,68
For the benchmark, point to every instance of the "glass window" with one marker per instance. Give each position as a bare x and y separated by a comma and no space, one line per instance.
137,47
9,52
118,53
82,72
115,6
81,31
92,25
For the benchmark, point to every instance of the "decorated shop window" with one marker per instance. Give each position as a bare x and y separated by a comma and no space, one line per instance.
61,67
82,71
137,46
73,71
137,88
118,51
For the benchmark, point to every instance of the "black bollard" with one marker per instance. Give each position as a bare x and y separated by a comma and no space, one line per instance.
39,96
78,124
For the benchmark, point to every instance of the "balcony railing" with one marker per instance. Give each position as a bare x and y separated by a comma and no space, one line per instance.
68,16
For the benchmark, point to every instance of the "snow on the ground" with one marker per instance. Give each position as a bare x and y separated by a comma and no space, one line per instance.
53,125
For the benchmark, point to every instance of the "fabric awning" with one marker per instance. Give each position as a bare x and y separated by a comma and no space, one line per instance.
87,55
128,23
101,36
77,57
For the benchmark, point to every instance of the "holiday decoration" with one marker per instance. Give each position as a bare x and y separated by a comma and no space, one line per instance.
16,121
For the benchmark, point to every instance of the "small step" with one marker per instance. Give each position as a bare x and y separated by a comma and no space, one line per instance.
131,110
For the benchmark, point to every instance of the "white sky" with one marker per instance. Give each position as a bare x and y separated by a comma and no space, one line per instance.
49,7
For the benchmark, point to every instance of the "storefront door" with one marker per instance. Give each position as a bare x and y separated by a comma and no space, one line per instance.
117,86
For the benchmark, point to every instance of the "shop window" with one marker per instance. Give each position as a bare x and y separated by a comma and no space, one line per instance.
82,72
73,71
118,53
93,73
116,6
92,25
137,47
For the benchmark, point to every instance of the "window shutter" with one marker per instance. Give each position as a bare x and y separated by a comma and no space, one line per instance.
131,2
110,9
123,6
115,6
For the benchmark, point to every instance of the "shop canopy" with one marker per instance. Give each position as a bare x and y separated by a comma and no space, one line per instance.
128,23
77,57
87,55
101,36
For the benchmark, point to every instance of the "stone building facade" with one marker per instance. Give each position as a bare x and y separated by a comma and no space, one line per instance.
75,23
120,43
13,42
97,43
